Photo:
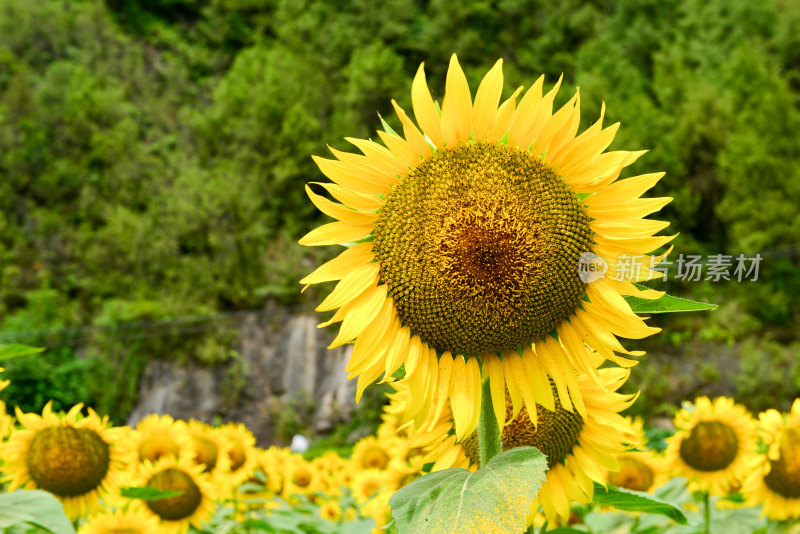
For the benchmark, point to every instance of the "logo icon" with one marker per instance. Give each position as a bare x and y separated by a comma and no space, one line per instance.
591,267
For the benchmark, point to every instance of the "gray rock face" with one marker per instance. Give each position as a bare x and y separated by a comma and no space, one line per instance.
284,379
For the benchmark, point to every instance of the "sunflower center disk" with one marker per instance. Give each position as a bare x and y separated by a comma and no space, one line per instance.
633,475
68,461
784,475
207,453
711,446
479,248
181,506
555,435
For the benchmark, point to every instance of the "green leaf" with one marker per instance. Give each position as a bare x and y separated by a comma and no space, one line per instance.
666,304
493,499
13,351
34,507
636,501
146,493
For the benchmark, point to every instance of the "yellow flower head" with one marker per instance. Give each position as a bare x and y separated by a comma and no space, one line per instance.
580,450
468,232
712,445
240,446
174,514
641,469
209,447
774,480
157,436
121,522
79,460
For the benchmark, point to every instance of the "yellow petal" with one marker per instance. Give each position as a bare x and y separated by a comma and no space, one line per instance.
401,149
351,198
379,156
523,122
556,126
462,398
627,188
425,110
415,139
336,233
539,379
457,106
368,182
362,312
486,100
396,352
351,286
445,384
342,264
502,119
337,211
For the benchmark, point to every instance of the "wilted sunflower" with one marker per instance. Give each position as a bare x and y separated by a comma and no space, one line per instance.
194,506
775,479
580,450
712,445
467,234
79,460
121,522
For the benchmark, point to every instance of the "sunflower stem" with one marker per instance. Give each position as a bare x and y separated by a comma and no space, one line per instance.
488,429
707,512
544,527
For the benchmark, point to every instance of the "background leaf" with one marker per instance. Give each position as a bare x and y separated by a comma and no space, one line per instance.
34,507
667,304
13,351
146,493
636,501
493,499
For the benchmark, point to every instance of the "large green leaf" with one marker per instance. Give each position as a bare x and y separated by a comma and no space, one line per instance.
12,351
636,501
666,304
34,507
493,499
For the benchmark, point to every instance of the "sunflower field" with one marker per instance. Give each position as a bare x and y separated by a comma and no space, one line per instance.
554,246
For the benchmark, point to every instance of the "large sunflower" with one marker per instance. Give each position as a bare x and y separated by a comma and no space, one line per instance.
580,449
467,234
79,460
712,445
775,478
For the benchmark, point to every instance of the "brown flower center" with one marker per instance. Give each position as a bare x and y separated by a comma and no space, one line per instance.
68,461
479,248
711,446
633,474
784,475
555,435
181,506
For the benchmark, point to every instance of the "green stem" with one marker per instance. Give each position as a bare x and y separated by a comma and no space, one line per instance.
488,430
707,512
544,527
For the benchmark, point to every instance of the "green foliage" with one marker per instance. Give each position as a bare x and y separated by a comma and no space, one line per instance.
152,154
636,501
496,497
35,508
